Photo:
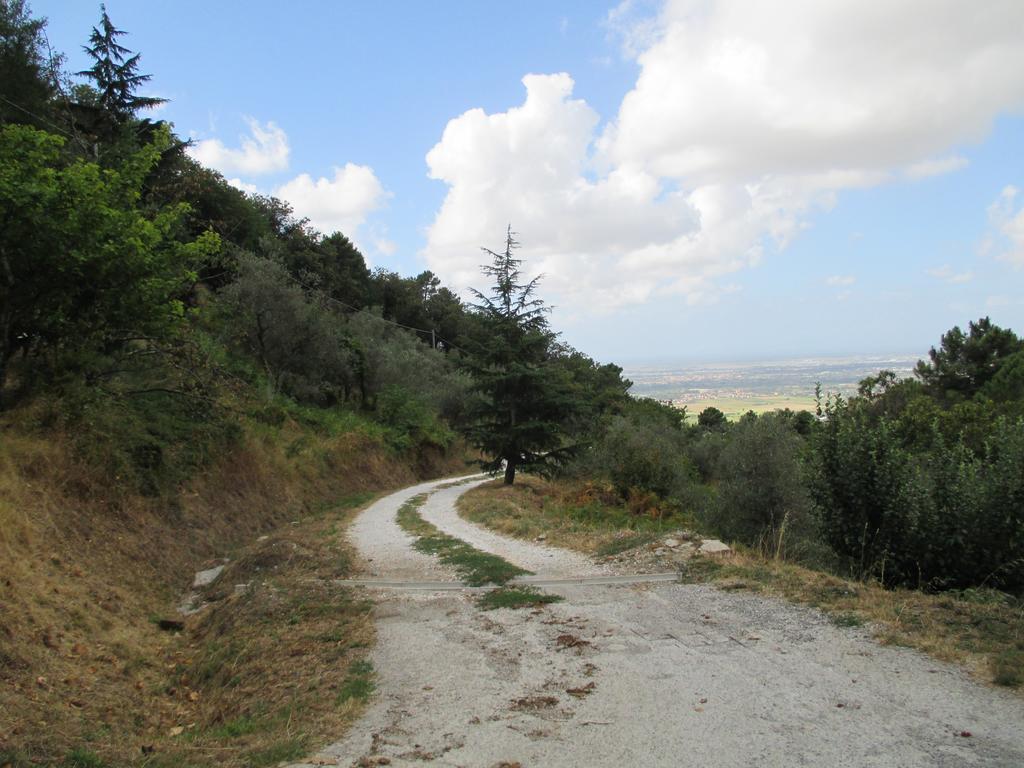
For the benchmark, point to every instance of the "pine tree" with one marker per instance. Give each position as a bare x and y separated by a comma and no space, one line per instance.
115,73
525,399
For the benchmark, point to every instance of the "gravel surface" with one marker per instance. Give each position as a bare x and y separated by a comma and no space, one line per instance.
649,675
541,560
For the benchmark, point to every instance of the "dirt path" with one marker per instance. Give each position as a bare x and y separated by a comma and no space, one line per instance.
646,675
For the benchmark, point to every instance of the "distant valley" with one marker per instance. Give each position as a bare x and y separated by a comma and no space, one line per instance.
760,386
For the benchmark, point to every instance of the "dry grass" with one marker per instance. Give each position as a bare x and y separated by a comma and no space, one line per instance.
981,629
584,517
86,567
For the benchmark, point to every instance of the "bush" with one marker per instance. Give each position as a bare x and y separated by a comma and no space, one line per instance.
924,512
638,454
762,500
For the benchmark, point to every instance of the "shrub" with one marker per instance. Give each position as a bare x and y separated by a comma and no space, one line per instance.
922,512
762,500
642,455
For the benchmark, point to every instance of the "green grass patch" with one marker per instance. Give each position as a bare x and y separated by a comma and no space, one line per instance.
359,684
476,568
515,597
847,620
82,758
240,726
287,750
1008,667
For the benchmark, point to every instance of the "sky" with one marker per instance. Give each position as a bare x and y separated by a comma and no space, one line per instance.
695,179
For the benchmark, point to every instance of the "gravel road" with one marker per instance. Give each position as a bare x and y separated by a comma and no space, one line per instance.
644,675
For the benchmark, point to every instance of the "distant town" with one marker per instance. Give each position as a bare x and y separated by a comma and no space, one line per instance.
760,386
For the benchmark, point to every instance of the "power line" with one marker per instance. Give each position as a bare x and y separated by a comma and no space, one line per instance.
40,118
328,297
433,334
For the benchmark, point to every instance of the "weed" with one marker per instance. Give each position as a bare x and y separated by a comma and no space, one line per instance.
240,726
82,758
515,597
1008,668
847,619
283,751
358,684
475,567
13,759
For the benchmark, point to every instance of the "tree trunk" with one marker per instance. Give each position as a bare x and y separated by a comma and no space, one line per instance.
510,471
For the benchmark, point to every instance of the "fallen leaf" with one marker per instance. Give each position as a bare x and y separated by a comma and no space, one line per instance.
585,690
176,731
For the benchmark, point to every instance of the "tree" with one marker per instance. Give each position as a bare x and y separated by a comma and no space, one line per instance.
712,420
525,398
761,495
964,363
116,73
81,266
26,79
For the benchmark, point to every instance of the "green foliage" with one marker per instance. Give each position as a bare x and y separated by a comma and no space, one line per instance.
25,69
475,567
926,511
515,597
711,420
80,264
359,684
640,453
762,499
149,443
526,400
411,422
302,346
116,73
964,363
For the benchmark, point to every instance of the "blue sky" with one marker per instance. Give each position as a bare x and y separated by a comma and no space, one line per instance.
697,180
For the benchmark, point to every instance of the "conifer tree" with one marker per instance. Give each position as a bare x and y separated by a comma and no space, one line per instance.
116,73
525,399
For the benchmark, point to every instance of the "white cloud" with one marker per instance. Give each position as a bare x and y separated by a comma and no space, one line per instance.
948,275
265,150
1006,222
252,189
614,238
840,280
337,204
745,117
736,88
936,167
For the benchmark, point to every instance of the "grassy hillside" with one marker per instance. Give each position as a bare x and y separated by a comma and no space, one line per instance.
91,565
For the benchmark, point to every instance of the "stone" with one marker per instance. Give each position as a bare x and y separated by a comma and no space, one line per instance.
715,548
671,543
207,577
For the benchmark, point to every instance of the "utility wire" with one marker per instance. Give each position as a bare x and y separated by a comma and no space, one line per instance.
40,118
352,308
339,302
